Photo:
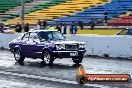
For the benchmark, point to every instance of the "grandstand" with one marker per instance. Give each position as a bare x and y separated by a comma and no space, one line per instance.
123,21
32,7
54,12
6,5
68,11
9,4
15,12
115,8
126,19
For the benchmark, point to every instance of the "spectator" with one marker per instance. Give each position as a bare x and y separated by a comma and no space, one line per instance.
105,16
52,28
44,24
1,27
58,27
61,27
26,27
73,28
37,27
92,23
80,23
39,22
18,27
65,29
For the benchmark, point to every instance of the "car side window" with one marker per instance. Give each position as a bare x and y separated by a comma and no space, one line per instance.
33,36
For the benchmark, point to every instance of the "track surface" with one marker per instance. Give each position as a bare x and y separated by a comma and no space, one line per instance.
62,75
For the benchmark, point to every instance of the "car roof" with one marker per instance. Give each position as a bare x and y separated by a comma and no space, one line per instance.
41,30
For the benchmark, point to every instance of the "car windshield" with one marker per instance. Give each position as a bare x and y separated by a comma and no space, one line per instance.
51,35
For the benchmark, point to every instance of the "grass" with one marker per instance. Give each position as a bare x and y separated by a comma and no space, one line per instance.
97,31
100,32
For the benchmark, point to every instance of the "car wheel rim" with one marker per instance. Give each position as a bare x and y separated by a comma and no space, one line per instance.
17,55
46,57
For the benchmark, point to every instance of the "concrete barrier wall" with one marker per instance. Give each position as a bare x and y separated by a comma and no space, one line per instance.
6,38
113,46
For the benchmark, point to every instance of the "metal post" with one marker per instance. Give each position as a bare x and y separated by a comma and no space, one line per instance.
22,13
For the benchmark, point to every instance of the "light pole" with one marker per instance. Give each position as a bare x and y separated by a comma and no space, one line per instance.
22,13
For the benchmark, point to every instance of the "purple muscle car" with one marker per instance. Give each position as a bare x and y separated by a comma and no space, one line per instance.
46,45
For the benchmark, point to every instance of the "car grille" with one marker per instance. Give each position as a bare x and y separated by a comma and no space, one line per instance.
71,47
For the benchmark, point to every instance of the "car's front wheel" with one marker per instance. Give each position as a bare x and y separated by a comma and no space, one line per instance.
48,58
17,55
77,59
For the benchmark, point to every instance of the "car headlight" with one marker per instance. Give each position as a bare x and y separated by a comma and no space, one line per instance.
81,46
60,46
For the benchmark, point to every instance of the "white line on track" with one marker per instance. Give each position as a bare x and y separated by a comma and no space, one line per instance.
50,79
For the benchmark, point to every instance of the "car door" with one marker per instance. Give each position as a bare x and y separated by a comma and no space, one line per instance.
35,46
24,45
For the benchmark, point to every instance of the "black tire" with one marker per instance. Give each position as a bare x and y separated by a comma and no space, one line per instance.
48,58
77,60
17,55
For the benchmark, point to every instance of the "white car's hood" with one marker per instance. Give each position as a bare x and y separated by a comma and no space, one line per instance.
67,42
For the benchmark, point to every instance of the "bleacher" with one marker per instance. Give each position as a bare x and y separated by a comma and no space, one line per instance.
54,12
5,5
124,21
68,11
115,8
45,4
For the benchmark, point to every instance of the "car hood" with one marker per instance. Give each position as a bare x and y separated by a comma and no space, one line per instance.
66,42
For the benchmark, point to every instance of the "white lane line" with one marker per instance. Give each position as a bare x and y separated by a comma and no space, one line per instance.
50,79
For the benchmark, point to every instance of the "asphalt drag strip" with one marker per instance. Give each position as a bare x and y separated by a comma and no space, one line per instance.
63,73
72,84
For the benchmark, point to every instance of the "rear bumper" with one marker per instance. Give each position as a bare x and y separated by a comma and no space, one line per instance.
66,54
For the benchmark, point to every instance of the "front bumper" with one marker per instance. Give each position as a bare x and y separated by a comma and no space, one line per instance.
66,54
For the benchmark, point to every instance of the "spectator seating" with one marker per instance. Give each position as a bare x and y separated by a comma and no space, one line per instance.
75,10
115,8
124,21
5,5
45,5
54,12
32,7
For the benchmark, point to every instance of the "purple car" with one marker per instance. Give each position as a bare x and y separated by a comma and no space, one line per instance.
46,45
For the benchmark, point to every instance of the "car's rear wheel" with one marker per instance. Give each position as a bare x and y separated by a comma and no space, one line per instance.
77,59
17,55
48,58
